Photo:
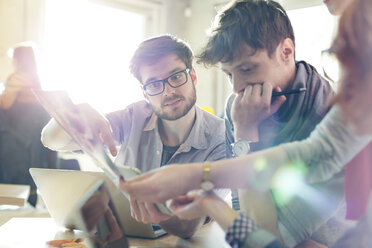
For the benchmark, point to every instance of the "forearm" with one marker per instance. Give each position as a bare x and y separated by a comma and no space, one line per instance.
243,172
54,137
182,228
221,212
8,97
328,149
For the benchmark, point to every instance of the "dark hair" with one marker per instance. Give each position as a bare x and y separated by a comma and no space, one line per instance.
151,50
261,24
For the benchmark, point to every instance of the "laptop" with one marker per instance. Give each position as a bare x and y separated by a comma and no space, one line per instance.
63,191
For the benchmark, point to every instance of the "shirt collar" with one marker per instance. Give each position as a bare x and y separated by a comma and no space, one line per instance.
152,123
197,137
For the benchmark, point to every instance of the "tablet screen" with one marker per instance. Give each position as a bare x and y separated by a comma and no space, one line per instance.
102,222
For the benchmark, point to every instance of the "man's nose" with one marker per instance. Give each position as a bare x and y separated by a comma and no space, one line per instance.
168,89
237,84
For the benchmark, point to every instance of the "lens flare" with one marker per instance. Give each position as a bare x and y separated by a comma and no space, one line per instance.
288,182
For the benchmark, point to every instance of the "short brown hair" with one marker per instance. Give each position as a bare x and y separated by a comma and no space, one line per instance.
258,23
151,50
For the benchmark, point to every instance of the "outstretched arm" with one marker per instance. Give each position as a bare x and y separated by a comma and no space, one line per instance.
234,173
54,137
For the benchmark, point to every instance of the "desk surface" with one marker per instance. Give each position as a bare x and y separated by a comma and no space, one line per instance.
34,232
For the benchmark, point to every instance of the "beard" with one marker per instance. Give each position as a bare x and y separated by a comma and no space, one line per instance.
177,112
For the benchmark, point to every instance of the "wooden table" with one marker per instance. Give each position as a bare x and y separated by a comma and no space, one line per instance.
34,232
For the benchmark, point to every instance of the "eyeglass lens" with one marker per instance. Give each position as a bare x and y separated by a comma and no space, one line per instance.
175,80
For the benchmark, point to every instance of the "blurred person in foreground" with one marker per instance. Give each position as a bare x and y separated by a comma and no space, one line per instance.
337,7
358,176
21,121
335,141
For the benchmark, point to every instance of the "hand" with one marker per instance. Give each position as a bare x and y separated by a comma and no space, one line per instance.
99,125
251,107
159,185
190,206
200,204
147,212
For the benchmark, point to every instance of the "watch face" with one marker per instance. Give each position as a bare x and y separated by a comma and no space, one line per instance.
207,186
241,147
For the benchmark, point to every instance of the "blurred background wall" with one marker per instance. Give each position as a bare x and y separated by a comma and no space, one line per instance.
85,45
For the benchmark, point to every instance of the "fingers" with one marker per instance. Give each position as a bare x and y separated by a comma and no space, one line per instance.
257,90
147,212
151,186
254,93
139,211
278,101
108,138
191,209
267,90
134,210
100,125
155,215
144,215
140,187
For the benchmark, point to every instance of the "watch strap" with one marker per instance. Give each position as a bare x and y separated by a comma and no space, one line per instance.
207,184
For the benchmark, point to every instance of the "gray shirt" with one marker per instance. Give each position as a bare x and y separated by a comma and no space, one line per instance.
136,130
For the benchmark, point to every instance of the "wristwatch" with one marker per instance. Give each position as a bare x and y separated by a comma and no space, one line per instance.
207,184
241,147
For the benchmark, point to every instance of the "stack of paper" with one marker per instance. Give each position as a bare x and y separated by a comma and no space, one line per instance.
14,194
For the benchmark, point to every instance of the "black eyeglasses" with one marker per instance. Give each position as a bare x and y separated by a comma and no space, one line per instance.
175,80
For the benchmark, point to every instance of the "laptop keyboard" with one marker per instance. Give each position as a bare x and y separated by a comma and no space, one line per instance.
155,227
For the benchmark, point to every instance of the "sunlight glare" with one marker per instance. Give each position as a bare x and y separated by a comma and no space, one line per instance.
87,51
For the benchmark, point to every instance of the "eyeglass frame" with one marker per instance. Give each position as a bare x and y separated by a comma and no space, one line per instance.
166,80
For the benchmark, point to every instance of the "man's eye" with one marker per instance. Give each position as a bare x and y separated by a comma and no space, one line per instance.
175,77
246,69
154,85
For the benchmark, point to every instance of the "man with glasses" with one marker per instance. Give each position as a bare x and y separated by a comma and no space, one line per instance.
165,128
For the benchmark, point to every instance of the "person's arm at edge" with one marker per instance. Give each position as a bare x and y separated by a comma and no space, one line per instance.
329,147
10,93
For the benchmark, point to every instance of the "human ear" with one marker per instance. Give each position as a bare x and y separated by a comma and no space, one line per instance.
194,76
287,50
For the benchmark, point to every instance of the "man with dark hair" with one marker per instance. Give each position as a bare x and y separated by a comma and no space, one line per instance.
254,44
166,128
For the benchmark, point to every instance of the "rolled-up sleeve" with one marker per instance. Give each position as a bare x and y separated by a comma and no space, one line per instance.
329,147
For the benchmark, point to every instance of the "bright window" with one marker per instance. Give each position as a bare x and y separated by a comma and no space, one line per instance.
314,28
87,49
